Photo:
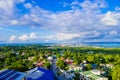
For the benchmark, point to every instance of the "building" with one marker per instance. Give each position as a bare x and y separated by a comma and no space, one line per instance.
68,61
31,58
11,75
92,75
75,68
49,58
39,64
67,75
78,68
39,74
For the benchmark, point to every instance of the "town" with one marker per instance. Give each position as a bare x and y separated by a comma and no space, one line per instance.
37,62
59,39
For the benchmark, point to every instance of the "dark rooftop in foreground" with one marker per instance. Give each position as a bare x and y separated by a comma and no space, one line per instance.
11,75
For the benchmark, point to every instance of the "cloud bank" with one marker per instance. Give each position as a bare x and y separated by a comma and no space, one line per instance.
83,22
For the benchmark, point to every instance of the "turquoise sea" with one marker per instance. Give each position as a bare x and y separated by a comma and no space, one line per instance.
105,44
97,44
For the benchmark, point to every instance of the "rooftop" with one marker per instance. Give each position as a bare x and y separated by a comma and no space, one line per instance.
93,74
11,75
40,74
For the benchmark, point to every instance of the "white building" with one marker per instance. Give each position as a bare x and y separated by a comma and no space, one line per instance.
92,75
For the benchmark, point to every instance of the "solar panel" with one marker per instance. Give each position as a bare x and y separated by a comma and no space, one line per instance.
15,76
8,75
4,72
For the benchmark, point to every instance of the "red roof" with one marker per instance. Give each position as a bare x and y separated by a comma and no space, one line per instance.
69,61
39,64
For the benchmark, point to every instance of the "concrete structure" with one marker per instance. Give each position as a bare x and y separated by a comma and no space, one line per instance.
91,75
31,58
50,58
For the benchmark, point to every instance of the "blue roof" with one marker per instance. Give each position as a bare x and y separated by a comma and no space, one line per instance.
11,75
94,66
40,74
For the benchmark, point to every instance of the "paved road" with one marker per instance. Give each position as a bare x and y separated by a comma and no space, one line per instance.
56,70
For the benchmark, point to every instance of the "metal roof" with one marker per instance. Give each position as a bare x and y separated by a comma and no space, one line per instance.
40,74
11,75
91,75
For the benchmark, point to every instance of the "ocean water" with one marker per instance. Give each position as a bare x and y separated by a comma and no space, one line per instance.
97,44
105,44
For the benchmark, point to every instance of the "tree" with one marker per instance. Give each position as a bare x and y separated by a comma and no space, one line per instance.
116,73
47,65
58,55
13,59
90,59
1,64
88,66
61,64
7,61
109,58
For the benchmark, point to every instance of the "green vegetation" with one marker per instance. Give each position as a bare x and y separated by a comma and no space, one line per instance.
61,64
116,73
17,57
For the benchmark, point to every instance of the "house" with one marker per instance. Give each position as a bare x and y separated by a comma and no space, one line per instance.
110,65
49,58
62,58
31,58
39,64
94,66
68,61
79,68
67,75
39,74
75,68
91,75
22,53
8,74
84,62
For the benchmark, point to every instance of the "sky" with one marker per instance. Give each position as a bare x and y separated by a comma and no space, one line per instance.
59,21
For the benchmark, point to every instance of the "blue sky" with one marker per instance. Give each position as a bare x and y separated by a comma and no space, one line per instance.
59,21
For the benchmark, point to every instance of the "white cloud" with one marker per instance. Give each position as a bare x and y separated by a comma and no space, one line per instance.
88,5
104,40
71,20
12,38
60,21
6,6
111,19
21,1
65,4
28,5
62,37
14,22
33,36
74,3
113,33
96,33
84,20
24,37
117,8
81,36
66,36
28,37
